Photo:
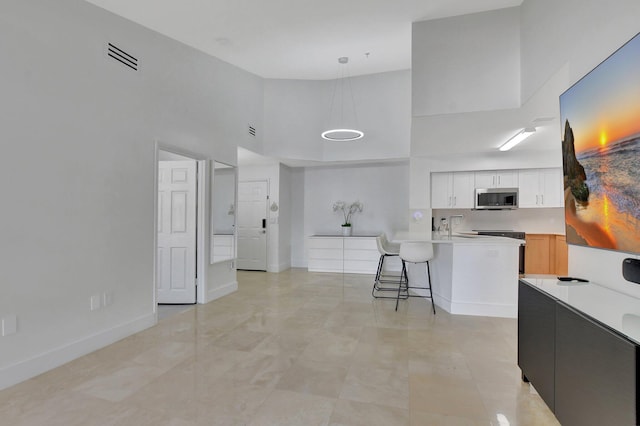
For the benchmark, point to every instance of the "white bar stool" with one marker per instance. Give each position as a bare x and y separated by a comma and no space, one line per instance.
386,249
414,252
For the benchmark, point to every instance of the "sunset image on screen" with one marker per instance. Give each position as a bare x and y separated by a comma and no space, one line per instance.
601,153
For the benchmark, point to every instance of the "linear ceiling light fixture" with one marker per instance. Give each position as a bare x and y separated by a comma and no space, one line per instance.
342,132
517,138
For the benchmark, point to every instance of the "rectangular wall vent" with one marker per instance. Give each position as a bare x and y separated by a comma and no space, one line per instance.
122,56
252,130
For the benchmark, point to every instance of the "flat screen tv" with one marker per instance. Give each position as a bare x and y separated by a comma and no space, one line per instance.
600,117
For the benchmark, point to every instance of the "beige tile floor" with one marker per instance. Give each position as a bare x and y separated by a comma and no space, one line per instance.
294,348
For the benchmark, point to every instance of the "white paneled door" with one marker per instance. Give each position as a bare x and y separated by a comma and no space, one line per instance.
176,275
252,226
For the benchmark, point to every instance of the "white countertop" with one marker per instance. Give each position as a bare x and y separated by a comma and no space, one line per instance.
456,238
341,236
614,309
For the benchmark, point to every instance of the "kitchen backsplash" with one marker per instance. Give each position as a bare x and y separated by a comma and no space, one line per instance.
531,221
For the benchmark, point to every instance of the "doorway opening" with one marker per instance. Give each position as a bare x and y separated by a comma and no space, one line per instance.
253,203
180,232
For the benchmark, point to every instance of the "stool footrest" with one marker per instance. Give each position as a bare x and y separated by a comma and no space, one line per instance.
403,285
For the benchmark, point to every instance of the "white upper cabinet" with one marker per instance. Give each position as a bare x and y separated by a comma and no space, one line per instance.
452,190
496,179
536,187
541,188
440,190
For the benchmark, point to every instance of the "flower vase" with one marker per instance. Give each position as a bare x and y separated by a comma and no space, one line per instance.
346,231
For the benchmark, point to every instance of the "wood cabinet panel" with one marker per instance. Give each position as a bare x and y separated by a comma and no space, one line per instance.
545,254
562,255
537,254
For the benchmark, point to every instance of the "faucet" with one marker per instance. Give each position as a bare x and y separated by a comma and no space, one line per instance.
451,222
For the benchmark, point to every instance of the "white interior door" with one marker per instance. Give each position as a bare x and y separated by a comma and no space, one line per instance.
176,276
252,225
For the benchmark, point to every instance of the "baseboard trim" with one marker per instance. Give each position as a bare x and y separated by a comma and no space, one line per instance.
49,360
485,310
223,290
283,267
476,309
277,268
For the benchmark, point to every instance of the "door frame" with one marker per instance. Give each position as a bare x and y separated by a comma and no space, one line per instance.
201,232
267,214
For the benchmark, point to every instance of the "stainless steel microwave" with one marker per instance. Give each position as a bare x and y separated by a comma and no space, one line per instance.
496,199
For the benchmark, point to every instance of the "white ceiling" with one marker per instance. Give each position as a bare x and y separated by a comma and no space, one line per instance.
297,39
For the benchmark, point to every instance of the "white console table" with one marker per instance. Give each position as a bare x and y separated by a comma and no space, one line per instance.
356,254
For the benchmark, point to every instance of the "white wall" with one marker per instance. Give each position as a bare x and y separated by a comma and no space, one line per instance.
382,188
298,255
466,63
553,37
560,41
459,128
285,217
79,136
580,33
296,113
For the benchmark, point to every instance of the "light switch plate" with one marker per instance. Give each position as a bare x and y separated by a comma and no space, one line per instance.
95,302
107,298
9,324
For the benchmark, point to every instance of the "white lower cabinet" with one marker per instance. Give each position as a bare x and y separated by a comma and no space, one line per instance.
325,254
354,255
361,255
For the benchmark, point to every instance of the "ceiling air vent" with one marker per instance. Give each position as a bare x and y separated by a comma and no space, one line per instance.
122,56
252,130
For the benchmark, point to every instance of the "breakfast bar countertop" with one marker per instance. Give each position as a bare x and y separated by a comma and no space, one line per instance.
471,274
465,237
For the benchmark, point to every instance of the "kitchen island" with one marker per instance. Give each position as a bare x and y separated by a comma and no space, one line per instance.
470,274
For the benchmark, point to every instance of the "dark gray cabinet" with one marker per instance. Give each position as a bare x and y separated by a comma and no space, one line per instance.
586,372
595,377
537,340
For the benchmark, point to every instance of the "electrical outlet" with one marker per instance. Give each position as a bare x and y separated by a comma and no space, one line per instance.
107,298
9,325
95,302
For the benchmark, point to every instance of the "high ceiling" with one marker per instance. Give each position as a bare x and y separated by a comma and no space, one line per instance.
297,39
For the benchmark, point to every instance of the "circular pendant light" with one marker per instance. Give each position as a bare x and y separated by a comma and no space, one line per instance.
342,132
344,135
